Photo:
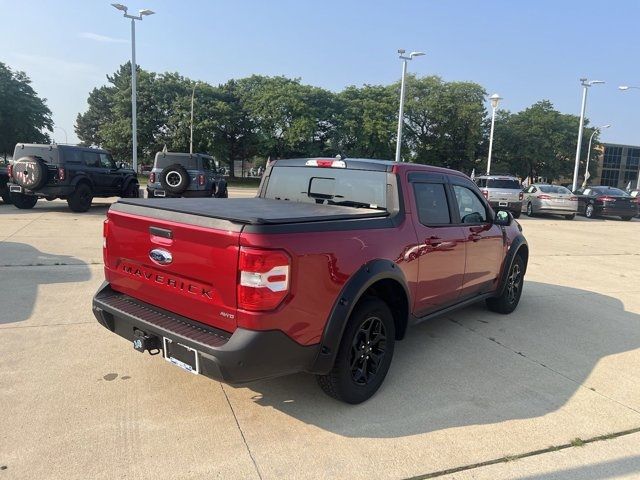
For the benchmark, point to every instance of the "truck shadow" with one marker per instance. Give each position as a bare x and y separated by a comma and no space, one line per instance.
476,367
99,207
23,269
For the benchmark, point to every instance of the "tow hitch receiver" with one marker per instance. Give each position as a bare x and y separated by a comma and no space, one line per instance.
142,342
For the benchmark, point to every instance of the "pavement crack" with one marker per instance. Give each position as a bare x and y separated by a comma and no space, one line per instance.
244,439
510,458
23,227
540,364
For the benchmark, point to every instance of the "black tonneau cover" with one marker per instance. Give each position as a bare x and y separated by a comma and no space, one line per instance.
250,211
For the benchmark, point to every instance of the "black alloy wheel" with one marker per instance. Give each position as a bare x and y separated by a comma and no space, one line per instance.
508,300
367,350
364,354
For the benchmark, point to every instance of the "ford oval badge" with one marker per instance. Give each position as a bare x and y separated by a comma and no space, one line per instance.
160,256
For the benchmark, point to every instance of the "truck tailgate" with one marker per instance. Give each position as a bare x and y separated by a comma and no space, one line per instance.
186,268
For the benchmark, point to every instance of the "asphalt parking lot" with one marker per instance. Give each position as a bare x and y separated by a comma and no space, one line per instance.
463,391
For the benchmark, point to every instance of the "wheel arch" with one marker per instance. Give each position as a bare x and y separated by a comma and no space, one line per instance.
378,278
519,247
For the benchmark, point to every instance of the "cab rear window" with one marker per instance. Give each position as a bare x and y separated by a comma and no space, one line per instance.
186,162
330,186
503,183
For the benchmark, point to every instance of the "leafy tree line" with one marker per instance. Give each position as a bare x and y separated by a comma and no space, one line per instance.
446,123
24,117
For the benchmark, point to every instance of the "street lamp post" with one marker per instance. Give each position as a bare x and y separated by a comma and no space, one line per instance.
401,112
134,74
586,168
66,138
585,85
495,100
624,88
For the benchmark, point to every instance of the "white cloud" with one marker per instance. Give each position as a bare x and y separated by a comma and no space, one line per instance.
101,38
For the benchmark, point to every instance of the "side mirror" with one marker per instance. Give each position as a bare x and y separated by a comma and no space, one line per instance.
503,218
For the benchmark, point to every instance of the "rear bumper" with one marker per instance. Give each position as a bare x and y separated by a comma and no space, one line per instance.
185,194
46,191
616,212
511,206
241,357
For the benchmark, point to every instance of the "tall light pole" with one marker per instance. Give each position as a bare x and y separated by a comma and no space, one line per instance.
401,112
193,93
624,88
66,138
585,85
134,74
495,100
586,168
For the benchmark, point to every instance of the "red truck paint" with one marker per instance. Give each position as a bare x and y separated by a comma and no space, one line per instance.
442,265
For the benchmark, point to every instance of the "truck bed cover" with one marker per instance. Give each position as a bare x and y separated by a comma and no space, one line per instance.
246,211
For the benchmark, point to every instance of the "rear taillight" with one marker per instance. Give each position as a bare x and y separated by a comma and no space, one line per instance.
152,177
606,199
264,278
485,193
105,233
10,171
61,174
521,196
544,197
573,199
201,179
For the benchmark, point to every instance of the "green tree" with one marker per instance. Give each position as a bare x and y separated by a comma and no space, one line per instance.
538,141
445,122
366,122
24,117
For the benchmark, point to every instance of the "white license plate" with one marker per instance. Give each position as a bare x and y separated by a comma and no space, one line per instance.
503,204
15,188
180,355
159,193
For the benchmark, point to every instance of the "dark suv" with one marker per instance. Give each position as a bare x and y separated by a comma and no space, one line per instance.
185,175
4,179
75,174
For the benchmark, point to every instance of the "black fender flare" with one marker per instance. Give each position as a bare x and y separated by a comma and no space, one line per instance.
82,177
346,301
519,244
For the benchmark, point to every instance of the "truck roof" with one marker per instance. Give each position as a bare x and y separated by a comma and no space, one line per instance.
373,164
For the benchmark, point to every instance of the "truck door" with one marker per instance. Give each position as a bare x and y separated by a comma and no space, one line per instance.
484,241
441,248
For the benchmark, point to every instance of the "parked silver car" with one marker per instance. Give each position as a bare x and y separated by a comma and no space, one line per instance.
554,199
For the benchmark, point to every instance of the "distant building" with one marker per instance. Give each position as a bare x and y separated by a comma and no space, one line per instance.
617,166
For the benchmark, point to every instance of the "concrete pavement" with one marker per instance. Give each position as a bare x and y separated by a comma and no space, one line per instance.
79,402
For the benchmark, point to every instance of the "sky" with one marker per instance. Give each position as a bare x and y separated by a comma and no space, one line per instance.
525,51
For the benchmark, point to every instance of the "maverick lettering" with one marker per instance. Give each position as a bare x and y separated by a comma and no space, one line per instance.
167,281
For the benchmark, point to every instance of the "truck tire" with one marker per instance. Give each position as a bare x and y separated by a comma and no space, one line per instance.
80,200
23,202
132,190
30,172
174,179
6,196
221,189
364,354
516,214
510,297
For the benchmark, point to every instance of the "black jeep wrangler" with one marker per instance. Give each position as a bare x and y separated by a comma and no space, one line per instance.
185,175
72,173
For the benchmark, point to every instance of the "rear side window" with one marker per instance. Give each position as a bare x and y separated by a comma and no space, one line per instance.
91,159
49,156
481,182
470,207
431,201
503,183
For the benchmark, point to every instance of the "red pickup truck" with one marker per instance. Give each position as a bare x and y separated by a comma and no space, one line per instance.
322,272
